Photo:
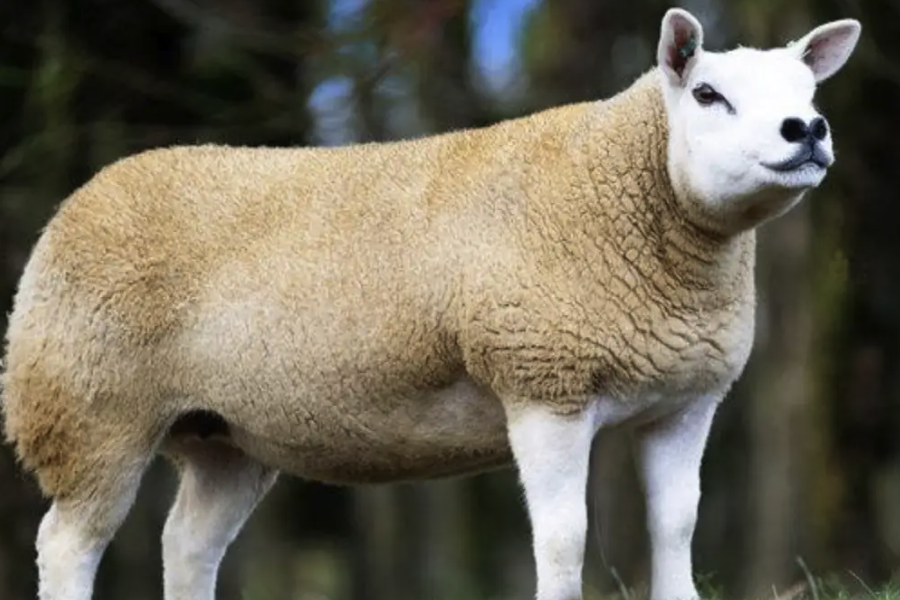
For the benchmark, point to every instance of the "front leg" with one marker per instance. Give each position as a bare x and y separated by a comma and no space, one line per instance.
670,452
552,453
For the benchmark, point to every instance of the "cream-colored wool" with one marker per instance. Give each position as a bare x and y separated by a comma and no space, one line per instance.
321,299
383,312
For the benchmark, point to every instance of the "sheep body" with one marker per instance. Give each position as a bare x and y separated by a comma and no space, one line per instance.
353,313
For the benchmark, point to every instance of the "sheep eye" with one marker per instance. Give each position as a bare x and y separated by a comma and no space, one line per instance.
705,95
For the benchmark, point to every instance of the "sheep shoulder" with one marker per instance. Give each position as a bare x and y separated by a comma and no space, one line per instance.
614,292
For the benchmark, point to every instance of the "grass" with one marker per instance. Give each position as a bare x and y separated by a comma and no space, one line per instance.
833,589
813,589
837,586
848,587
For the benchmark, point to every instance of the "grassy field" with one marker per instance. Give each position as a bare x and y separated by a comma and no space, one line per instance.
824,589
844,587
836,587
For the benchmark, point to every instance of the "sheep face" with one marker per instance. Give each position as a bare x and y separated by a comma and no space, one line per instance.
745,138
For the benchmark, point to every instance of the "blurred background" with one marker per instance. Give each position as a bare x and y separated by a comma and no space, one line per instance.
802,472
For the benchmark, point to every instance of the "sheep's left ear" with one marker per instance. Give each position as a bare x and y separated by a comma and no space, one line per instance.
680,45
826,48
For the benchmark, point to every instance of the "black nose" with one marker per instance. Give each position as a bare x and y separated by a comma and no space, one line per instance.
795,130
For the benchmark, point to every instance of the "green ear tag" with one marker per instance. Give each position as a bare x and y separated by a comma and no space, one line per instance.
687,50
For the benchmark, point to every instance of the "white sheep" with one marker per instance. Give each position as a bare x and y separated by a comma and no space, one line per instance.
413,310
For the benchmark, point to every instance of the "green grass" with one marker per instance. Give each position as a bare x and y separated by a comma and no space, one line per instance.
833,589
845,587
840,586
821,590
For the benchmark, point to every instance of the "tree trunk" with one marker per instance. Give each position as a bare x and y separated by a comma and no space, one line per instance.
780,409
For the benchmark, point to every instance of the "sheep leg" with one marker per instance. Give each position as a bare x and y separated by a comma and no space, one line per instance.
552,454
75,532
670,452
219,488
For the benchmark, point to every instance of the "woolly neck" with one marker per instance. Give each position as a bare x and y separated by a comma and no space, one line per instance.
632,196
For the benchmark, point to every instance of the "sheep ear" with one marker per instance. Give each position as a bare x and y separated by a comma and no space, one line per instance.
680,45
826,48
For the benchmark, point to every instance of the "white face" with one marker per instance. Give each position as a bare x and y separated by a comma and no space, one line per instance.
746,140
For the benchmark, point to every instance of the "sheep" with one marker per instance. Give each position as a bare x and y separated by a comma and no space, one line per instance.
414,309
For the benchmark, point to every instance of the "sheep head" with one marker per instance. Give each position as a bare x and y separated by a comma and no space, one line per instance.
746,141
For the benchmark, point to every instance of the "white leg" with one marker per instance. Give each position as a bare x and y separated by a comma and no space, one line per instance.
220,486
552,454
73,536
68,557
670,451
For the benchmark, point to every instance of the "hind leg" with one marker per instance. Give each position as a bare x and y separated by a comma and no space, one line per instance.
77,529
220,486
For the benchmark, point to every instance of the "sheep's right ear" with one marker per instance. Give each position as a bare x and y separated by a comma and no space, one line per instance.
680,45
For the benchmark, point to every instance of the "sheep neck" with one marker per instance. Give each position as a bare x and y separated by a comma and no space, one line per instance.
631,208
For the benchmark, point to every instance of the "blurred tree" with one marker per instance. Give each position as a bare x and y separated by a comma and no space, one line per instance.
865,381
86,82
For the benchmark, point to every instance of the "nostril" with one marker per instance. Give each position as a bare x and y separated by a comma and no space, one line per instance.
819,128
794,129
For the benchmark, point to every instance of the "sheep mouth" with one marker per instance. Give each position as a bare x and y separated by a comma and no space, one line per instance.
810,155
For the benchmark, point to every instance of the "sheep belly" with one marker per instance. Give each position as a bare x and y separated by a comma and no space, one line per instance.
326,392
366,438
